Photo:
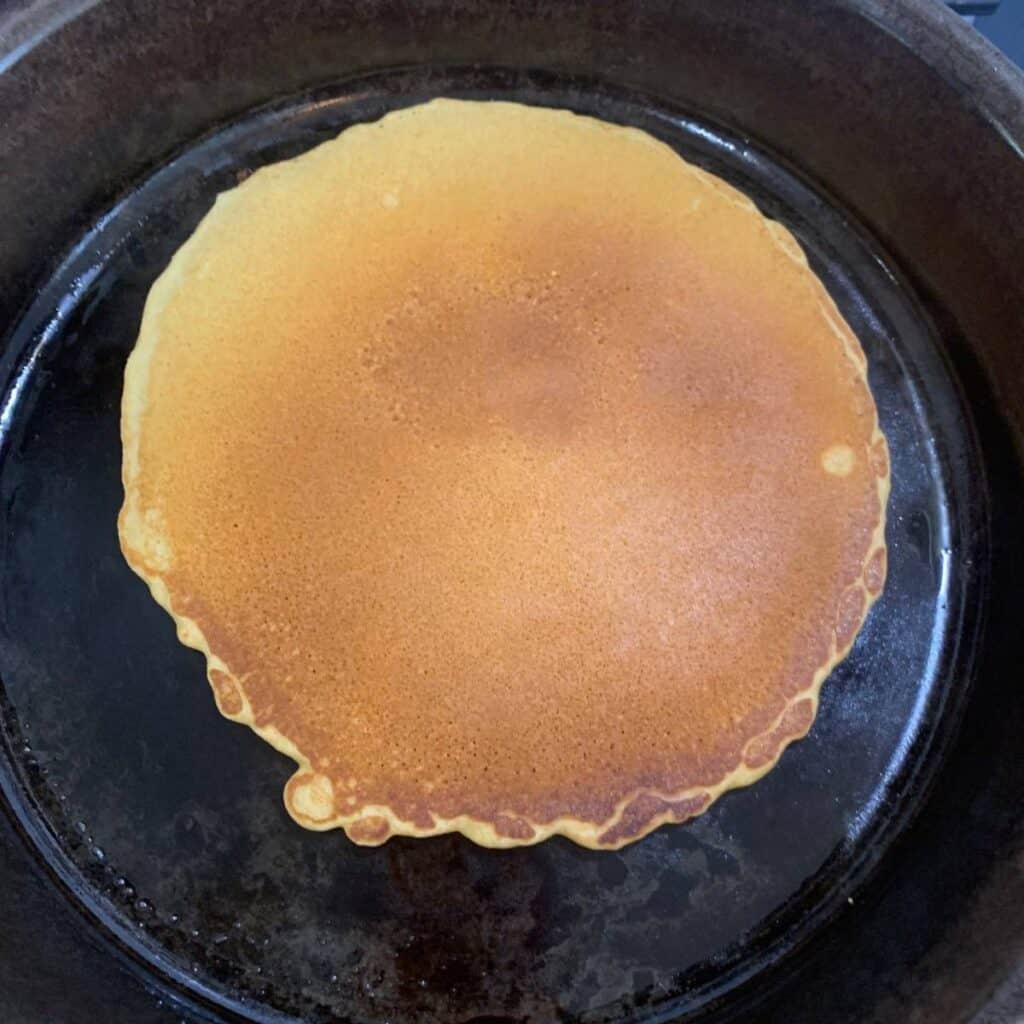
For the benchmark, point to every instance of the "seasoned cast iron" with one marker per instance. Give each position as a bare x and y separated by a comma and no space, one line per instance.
836,888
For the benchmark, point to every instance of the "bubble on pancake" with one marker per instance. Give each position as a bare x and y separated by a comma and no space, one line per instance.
225,690
874,572
516,477
369,830
310,798
838,460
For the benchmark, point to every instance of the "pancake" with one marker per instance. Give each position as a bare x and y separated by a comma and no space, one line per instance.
515,476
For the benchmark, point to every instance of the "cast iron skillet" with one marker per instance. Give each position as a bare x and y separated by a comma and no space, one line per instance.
869,875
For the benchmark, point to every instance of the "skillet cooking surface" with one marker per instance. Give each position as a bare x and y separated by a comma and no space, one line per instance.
166,822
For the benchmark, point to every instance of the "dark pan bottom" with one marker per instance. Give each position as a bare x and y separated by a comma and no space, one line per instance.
165,823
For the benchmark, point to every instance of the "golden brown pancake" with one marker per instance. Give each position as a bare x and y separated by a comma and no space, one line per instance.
515,476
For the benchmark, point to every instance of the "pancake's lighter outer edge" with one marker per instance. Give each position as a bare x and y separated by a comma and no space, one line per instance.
131,523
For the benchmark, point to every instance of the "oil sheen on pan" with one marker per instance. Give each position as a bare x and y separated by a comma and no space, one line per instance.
515,476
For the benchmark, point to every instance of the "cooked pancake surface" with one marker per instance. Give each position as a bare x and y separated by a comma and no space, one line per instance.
515,476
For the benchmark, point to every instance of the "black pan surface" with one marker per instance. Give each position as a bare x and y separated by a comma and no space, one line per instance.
840,886
168,822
